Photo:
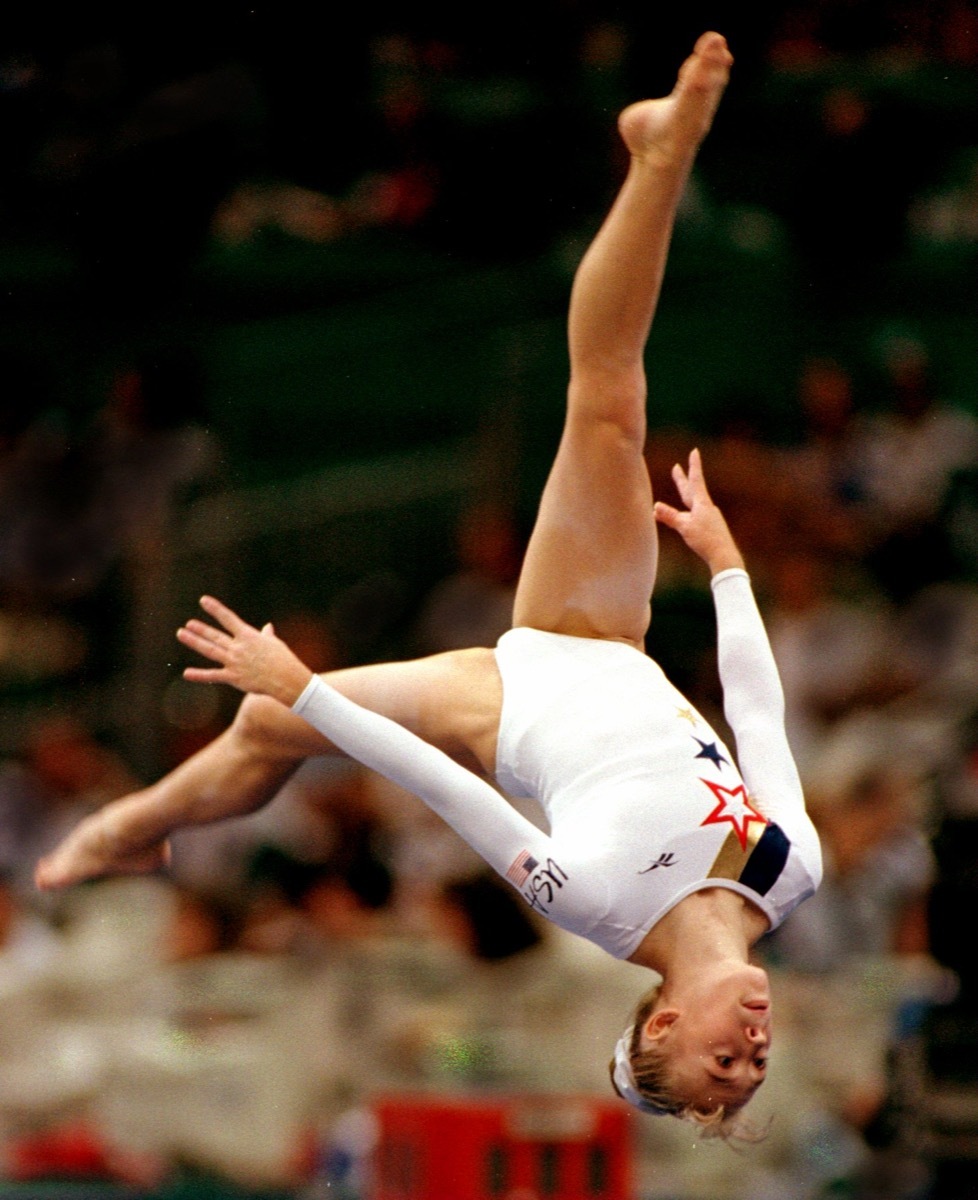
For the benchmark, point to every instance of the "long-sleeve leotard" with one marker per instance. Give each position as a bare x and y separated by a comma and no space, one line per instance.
644,801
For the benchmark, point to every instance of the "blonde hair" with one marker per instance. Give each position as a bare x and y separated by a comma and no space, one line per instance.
650,1069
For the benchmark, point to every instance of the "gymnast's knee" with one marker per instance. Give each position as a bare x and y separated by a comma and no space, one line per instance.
257,727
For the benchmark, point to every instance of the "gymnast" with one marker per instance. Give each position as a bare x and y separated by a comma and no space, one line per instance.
660,850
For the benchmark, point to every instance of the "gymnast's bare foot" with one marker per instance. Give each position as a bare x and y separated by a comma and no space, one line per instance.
93,850
669,130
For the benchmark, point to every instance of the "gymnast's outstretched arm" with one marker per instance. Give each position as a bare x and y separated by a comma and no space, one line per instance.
244,767
474,809
259,662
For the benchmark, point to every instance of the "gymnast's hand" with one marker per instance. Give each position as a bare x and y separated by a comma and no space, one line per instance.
702,527
251,660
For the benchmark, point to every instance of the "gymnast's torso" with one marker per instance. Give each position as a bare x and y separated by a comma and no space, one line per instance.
644,801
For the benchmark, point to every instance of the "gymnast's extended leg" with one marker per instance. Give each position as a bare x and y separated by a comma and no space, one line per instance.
590,565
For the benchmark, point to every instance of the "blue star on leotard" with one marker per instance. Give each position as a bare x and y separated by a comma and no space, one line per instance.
711,751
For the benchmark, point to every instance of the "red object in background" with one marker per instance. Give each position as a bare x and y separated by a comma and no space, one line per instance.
516,1148
71,1151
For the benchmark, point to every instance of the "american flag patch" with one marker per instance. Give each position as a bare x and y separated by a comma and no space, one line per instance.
522,866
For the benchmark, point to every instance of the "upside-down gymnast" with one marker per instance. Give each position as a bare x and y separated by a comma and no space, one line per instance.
660,850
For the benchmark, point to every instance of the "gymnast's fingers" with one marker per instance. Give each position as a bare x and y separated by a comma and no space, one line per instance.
208,647
208,632
206,675
228,618
667,515
696,477
681,481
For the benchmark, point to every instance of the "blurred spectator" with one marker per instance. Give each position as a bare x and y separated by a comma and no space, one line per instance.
38,645
149,443
62,773
880,869
938,635
486,920
947,215
400,183
602,87
271,921
346,905
915,446
958,776
797,45
824,473
199,925
73,503
28,942
345,893
403,183
255,208
473,606
212,1066
835,653
53,543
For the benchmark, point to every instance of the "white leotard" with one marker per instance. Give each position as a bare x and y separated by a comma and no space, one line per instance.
645,803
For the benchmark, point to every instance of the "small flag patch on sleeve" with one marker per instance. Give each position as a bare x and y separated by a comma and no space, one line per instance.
521,868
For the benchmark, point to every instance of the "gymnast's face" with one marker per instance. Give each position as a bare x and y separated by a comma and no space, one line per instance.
717,1039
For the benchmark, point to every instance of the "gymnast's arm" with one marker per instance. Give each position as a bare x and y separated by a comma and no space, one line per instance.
753,699
474,809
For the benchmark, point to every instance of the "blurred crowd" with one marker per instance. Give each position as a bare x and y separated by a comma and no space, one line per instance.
131,142
343,942
237,1015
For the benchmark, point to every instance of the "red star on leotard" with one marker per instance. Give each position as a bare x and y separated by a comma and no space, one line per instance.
733,806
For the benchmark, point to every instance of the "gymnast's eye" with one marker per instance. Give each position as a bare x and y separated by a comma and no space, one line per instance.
724,1060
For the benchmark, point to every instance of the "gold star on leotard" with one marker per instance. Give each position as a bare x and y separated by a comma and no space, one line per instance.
687,714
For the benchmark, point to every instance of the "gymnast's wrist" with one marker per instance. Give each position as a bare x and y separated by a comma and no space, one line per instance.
717,577
728,559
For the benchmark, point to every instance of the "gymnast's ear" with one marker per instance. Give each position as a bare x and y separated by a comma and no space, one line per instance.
659,1023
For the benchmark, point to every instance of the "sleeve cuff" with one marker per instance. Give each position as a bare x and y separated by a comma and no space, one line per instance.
729,573
306,694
